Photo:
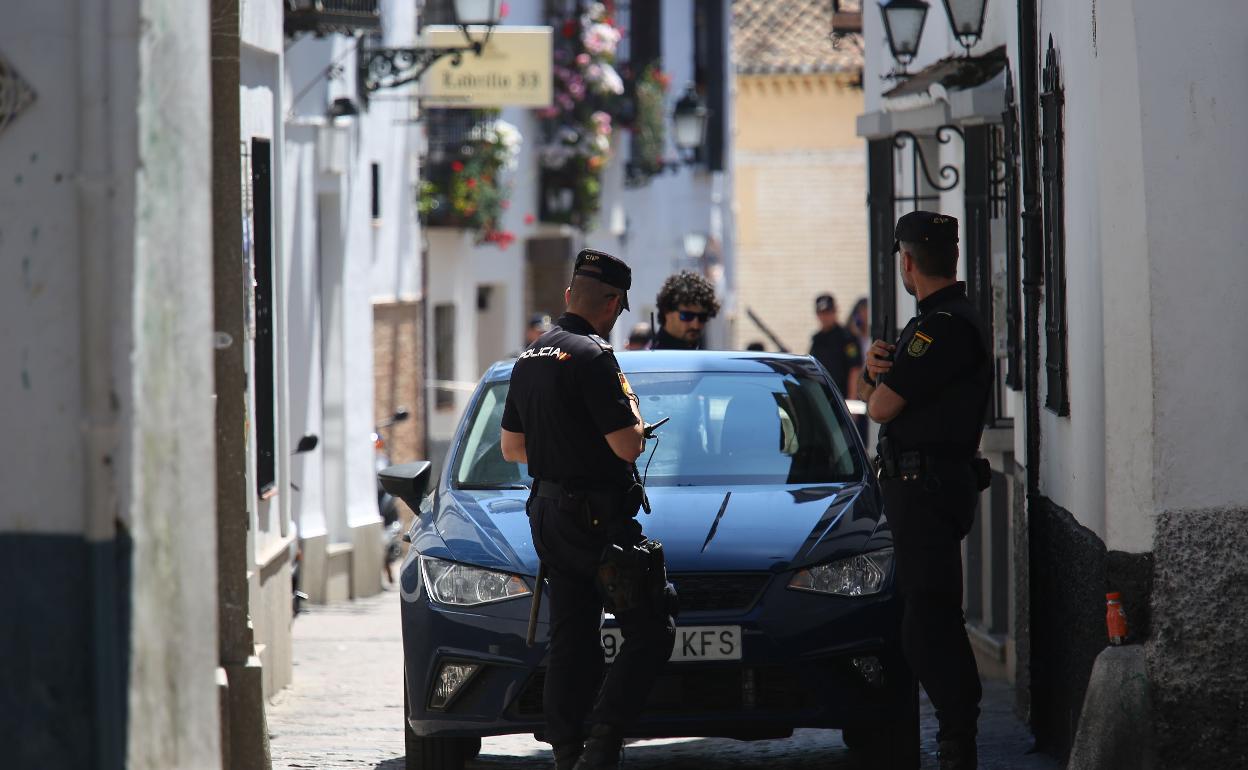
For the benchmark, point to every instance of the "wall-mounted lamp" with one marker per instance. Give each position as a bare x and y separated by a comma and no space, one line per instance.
966,17
689,120
695,245
390,67
903,24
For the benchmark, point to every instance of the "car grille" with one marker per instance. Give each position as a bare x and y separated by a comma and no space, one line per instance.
719,592
705,691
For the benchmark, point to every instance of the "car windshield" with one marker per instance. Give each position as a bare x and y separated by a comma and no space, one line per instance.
725,428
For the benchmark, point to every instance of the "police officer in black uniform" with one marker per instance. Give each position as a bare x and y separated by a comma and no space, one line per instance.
930,392
573,417
835,348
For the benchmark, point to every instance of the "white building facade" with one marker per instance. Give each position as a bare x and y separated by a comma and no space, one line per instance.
1099,200
107,518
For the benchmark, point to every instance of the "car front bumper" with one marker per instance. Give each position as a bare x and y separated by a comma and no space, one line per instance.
807,661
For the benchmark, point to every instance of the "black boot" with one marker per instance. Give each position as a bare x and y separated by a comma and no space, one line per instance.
602,750
958,755
566,755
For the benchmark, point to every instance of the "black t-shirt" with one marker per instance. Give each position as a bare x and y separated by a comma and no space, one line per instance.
567,392
665,341
839,352
943,370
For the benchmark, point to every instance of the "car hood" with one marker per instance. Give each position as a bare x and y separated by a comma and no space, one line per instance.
745,528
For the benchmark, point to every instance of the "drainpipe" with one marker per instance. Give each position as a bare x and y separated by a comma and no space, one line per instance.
1033,255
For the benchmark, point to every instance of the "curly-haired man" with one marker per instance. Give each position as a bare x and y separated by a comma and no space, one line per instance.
686,302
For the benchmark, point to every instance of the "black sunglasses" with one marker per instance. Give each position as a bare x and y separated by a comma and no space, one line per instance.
689,315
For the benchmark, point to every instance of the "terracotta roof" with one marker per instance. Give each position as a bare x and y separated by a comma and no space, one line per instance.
793,37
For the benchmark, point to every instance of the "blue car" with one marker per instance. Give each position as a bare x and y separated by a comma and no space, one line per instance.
771,523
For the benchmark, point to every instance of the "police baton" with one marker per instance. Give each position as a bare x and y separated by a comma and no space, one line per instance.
536,604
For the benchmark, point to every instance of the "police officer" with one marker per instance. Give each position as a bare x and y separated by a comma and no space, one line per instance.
573,417
835,348
929,393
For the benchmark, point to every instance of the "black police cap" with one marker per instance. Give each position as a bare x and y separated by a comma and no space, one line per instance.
926,227
610,270
825,303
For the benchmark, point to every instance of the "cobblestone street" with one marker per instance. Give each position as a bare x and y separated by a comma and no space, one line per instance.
344,710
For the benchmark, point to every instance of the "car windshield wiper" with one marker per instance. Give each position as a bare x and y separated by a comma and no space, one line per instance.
471,485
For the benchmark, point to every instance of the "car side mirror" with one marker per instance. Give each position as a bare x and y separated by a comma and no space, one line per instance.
409,481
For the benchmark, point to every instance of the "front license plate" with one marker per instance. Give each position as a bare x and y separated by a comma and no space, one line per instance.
692,643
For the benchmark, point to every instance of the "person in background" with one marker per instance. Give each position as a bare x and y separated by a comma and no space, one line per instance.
836,348
686,302
859,324
639,337
539,324
756,347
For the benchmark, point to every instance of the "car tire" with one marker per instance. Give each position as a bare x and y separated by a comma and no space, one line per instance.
893,745
434,753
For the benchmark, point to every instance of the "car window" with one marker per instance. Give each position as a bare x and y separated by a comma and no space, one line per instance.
725,428
479,461
733,428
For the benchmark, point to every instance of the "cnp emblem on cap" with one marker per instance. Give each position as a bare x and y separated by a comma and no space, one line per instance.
612,271
926,227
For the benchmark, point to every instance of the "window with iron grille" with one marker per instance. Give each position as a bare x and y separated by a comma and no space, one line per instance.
263,360
447,132
1013,255
985,173
1052,172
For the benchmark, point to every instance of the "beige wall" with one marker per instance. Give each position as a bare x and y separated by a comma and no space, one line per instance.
800,176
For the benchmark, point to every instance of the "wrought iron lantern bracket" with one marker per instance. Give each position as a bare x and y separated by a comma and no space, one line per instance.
393,67
944,135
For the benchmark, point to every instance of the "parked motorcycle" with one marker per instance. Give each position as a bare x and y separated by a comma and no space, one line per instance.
387,504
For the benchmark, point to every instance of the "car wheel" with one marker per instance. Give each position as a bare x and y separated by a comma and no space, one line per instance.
893,745
434,753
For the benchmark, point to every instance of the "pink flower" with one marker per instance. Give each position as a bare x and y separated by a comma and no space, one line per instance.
529,219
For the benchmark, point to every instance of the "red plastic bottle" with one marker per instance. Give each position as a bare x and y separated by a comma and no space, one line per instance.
1115,618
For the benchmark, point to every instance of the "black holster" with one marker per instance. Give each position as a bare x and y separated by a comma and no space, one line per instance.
635,577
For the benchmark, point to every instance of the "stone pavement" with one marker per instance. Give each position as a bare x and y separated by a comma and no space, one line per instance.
345,710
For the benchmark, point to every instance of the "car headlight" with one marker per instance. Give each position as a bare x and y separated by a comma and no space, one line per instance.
463,585
860,575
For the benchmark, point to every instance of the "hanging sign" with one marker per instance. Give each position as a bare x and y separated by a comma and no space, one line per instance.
513,69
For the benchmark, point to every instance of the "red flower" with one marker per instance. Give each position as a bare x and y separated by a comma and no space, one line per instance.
569,29
472,183
529,219
457,166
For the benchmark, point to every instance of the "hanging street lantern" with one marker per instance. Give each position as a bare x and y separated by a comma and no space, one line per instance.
966,17
689,121
903,23
478,13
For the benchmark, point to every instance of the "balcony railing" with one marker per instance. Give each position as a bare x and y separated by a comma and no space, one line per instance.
323,17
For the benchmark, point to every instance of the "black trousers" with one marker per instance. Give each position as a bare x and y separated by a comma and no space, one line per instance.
929,519
575,686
